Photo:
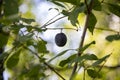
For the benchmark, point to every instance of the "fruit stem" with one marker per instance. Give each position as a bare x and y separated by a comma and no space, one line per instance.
61,30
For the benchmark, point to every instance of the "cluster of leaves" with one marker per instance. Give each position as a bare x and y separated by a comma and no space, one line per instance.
88,61
83,6
24,42
19,33
80,6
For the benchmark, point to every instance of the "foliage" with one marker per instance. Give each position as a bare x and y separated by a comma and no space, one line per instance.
26,56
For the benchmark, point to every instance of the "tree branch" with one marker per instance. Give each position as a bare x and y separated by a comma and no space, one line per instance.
82,38
50,67
87,6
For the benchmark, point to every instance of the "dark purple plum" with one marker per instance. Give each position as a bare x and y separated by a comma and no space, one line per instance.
60,39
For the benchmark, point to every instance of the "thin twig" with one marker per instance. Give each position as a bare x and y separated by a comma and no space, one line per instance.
50,67
82,38
60,28
52,22
107,30
49,21
105,67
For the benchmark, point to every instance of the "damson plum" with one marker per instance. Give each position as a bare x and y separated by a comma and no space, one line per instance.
60,39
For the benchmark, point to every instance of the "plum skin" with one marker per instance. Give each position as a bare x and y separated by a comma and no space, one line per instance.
60,39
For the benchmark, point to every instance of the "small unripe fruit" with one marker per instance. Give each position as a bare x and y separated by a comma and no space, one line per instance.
60,39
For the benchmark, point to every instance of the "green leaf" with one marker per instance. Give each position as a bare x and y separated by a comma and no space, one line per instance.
41,45
25,38
13,60
30,42
59,4
91,57
113,37
10,19
99,61
74,2
10,7
114,8
10,11
85,57
64,62
92,73
39,29
15,28
97,5
74,58
34,71
6,53
29,21
3,39
92,23
29,28
3,55
59,54
86,46
66,13
73,15
67,61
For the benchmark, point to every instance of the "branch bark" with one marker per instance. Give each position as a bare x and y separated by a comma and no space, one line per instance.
83,36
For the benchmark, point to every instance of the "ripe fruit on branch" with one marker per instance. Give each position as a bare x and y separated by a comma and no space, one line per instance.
60,39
